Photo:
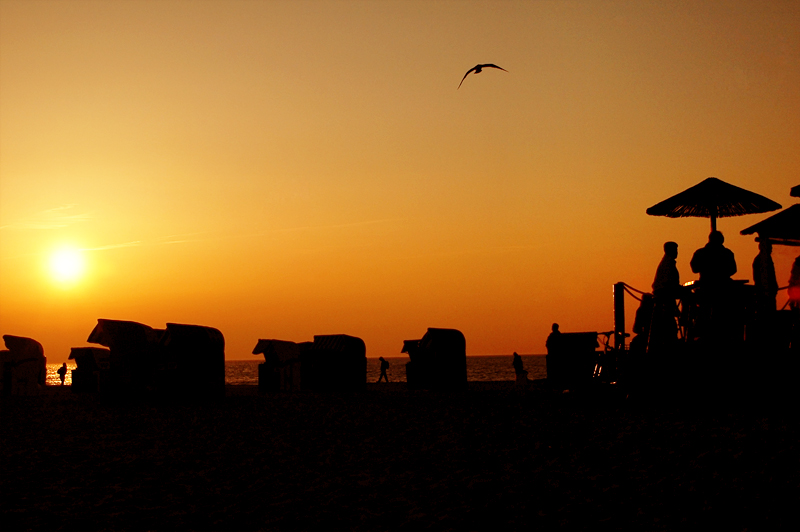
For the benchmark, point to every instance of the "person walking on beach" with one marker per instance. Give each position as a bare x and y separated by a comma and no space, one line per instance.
62,373
384,367
519,371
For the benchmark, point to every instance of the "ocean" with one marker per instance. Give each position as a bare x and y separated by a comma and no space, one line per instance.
479,368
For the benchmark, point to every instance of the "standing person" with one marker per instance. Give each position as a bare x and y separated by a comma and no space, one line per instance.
553,343
62,373
519,371
384,367
714,262
667,281
555,363
794,284
764,280
666,289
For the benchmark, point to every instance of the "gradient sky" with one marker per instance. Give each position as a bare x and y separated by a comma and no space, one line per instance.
284,169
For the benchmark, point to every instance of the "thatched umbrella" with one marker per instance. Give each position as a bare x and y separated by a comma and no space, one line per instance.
782,228
713,198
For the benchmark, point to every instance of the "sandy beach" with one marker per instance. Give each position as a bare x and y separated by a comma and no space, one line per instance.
389,459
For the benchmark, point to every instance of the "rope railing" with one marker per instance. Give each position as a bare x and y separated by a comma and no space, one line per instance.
630,290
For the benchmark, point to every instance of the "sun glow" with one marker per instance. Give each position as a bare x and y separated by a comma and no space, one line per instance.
67,265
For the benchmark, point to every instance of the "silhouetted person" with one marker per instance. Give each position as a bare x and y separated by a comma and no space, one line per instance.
714,262
519,371
553,343
62,373
717,301
794,285
666,289
384,367
667,280
764,280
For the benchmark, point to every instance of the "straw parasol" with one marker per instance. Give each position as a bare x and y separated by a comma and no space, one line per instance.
782,228
713,198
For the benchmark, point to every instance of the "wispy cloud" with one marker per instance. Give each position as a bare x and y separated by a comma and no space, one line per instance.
162,241
333,226
132,244
55,218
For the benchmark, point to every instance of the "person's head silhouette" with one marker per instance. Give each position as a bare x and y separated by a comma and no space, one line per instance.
765,246
715,238
671,249
555,327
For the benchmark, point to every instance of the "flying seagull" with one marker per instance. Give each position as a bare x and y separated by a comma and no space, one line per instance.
478,69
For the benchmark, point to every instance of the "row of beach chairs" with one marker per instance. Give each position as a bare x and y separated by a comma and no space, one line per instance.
188,361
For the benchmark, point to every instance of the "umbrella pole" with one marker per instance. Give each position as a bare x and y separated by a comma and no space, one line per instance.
713,223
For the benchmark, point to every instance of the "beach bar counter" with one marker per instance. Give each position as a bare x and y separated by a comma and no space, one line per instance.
572,361
438,361
336,362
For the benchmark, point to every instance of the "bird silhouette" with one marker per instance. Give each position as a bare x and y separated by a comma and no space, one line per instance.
478,69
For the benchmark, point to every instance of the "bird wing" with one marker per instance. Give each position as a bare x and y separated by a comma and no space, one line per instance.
471,70
494,66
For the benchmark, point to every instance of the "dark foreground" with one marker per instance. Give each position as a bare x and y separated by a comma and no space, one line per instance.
491,458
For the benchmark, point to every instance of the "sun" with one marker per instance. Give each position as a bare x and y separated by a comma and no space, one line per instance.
67,265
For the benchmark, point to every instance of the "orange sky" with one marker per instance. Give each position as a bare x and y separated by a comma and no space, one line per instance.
284,169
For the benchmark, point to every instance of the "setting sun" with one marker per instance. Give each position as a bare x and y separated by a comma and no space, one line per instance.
67,265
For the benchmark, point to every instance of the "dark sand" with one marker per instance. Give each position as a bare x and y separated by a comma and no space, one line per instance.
494,457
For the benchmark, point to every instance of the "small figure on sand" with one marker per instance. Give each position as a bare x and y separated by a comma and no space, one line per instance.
384,367
519,371
62,373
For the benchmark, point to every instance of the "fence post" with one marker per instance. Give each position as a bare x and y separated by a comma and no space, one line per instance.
619,316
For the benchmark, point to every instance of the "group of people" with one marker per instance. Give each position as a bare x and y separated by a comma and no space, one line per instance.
715,264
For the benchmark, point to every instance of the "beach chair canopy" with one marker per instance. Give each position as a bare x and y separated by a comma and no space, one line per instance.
90,358
438,360
410,347
23,347
278,351
197,337
124,334
444,342
340,343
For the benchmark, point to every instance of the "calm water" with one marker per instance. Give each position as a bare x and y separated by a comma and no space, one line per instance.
485,368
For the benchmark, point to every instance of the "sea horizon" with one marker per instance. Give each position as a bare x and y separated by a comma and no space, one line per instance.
480,368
